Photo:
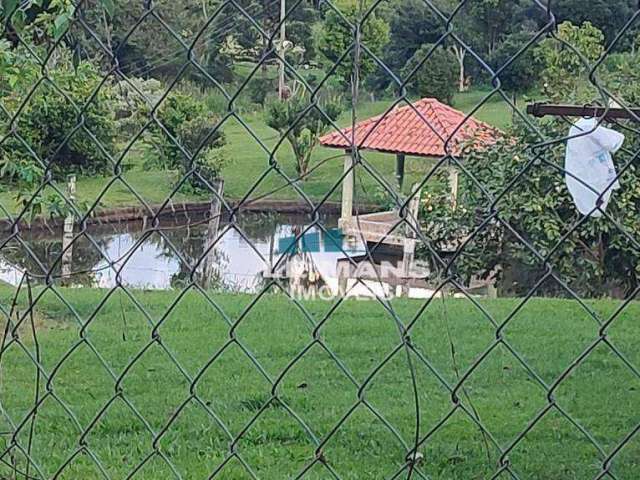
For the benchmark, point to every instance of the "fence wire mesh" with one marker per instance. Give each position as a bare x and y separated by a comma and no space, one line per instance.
195,382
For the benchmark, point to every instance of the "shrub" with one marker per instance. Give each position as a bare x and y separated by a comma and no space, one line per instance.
186,140
564,72
52,129
595,260
436,77
259,89
302,129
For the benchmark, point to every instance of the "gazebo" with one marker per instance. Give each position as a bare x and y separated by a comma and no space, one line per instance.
421,129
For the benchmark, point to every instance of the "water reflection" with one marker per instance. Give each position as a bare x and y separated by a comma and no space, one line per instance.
133,256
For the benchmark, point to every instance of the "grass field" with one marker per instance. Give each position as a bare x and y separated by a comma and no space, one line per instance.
247,161
601,394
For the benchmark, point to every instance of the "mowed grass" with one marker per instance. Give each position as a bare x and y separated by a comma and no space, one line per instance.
248,160
147,409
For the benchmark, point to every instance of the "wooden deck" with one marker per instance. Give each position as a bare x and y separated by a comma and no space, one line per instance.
376,228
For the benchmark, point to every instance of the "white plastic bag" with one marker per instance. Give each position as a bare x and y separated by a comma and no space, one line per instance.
590,173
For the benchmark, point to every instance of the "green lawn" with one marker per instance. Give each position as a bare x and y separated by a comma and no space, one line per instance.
601,394
248,160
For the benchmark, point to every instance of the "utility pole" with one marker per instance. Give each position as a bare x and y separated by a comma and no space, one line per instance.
282,49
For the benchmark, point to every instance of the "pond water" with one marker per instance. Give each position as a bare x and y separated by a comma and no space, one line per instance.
163,259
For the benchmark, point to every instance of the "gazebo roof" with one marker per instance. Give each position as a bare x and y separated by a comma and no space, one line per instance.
403,131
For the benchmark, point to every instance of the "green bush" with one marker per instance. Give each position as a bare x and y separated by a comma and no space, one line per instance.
436,78
564,74
259,89
596,259
302,127
52,128
186,140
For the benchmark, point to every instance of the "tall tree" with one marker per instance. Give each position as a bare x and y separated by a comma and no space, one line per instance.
334,37
493,19
607,15
412,24
436,77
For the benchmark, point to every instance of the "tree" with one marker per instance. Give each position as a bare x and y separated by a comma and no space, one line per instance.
524,72
187,139
302,130
466,28
49,121
412,24
609,16
436,77
595,259
492,19
460,53
334,37
220,57
564,70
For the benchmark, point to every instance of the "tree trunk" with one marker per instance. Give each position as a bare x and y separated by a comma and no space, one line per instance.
460,54
297,153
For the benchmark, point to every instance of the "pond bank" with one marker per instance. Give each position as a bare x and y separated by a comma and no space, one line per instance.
188,210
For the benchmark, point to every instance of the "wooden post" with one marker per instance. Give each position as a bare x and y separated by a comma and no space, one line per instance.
409,244
400,170
344,273
453,183
209,267
67,233
347,188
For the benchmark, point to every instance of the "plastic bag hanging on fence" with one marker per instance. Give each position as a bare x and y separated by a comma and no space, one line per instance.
590,173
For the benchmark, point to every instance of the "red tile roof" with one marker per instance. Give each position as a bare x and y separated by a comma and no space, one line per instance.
402,130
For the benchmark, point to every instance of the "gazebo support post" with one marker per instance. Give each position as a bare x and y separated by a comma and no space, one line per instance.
400,169
347,188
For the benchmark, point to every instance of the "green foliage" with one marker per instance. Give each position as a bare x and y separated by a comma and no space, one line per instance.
434,78
492,20
186,129
298,28
564,70
334,37
625,78
132,99
523,73
37,20
301,128
595,260
608,16
259,88
52,127
219,61
412,24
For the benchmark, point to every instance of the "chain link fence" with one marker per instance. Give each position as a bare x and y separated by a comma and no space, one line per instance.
101,377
